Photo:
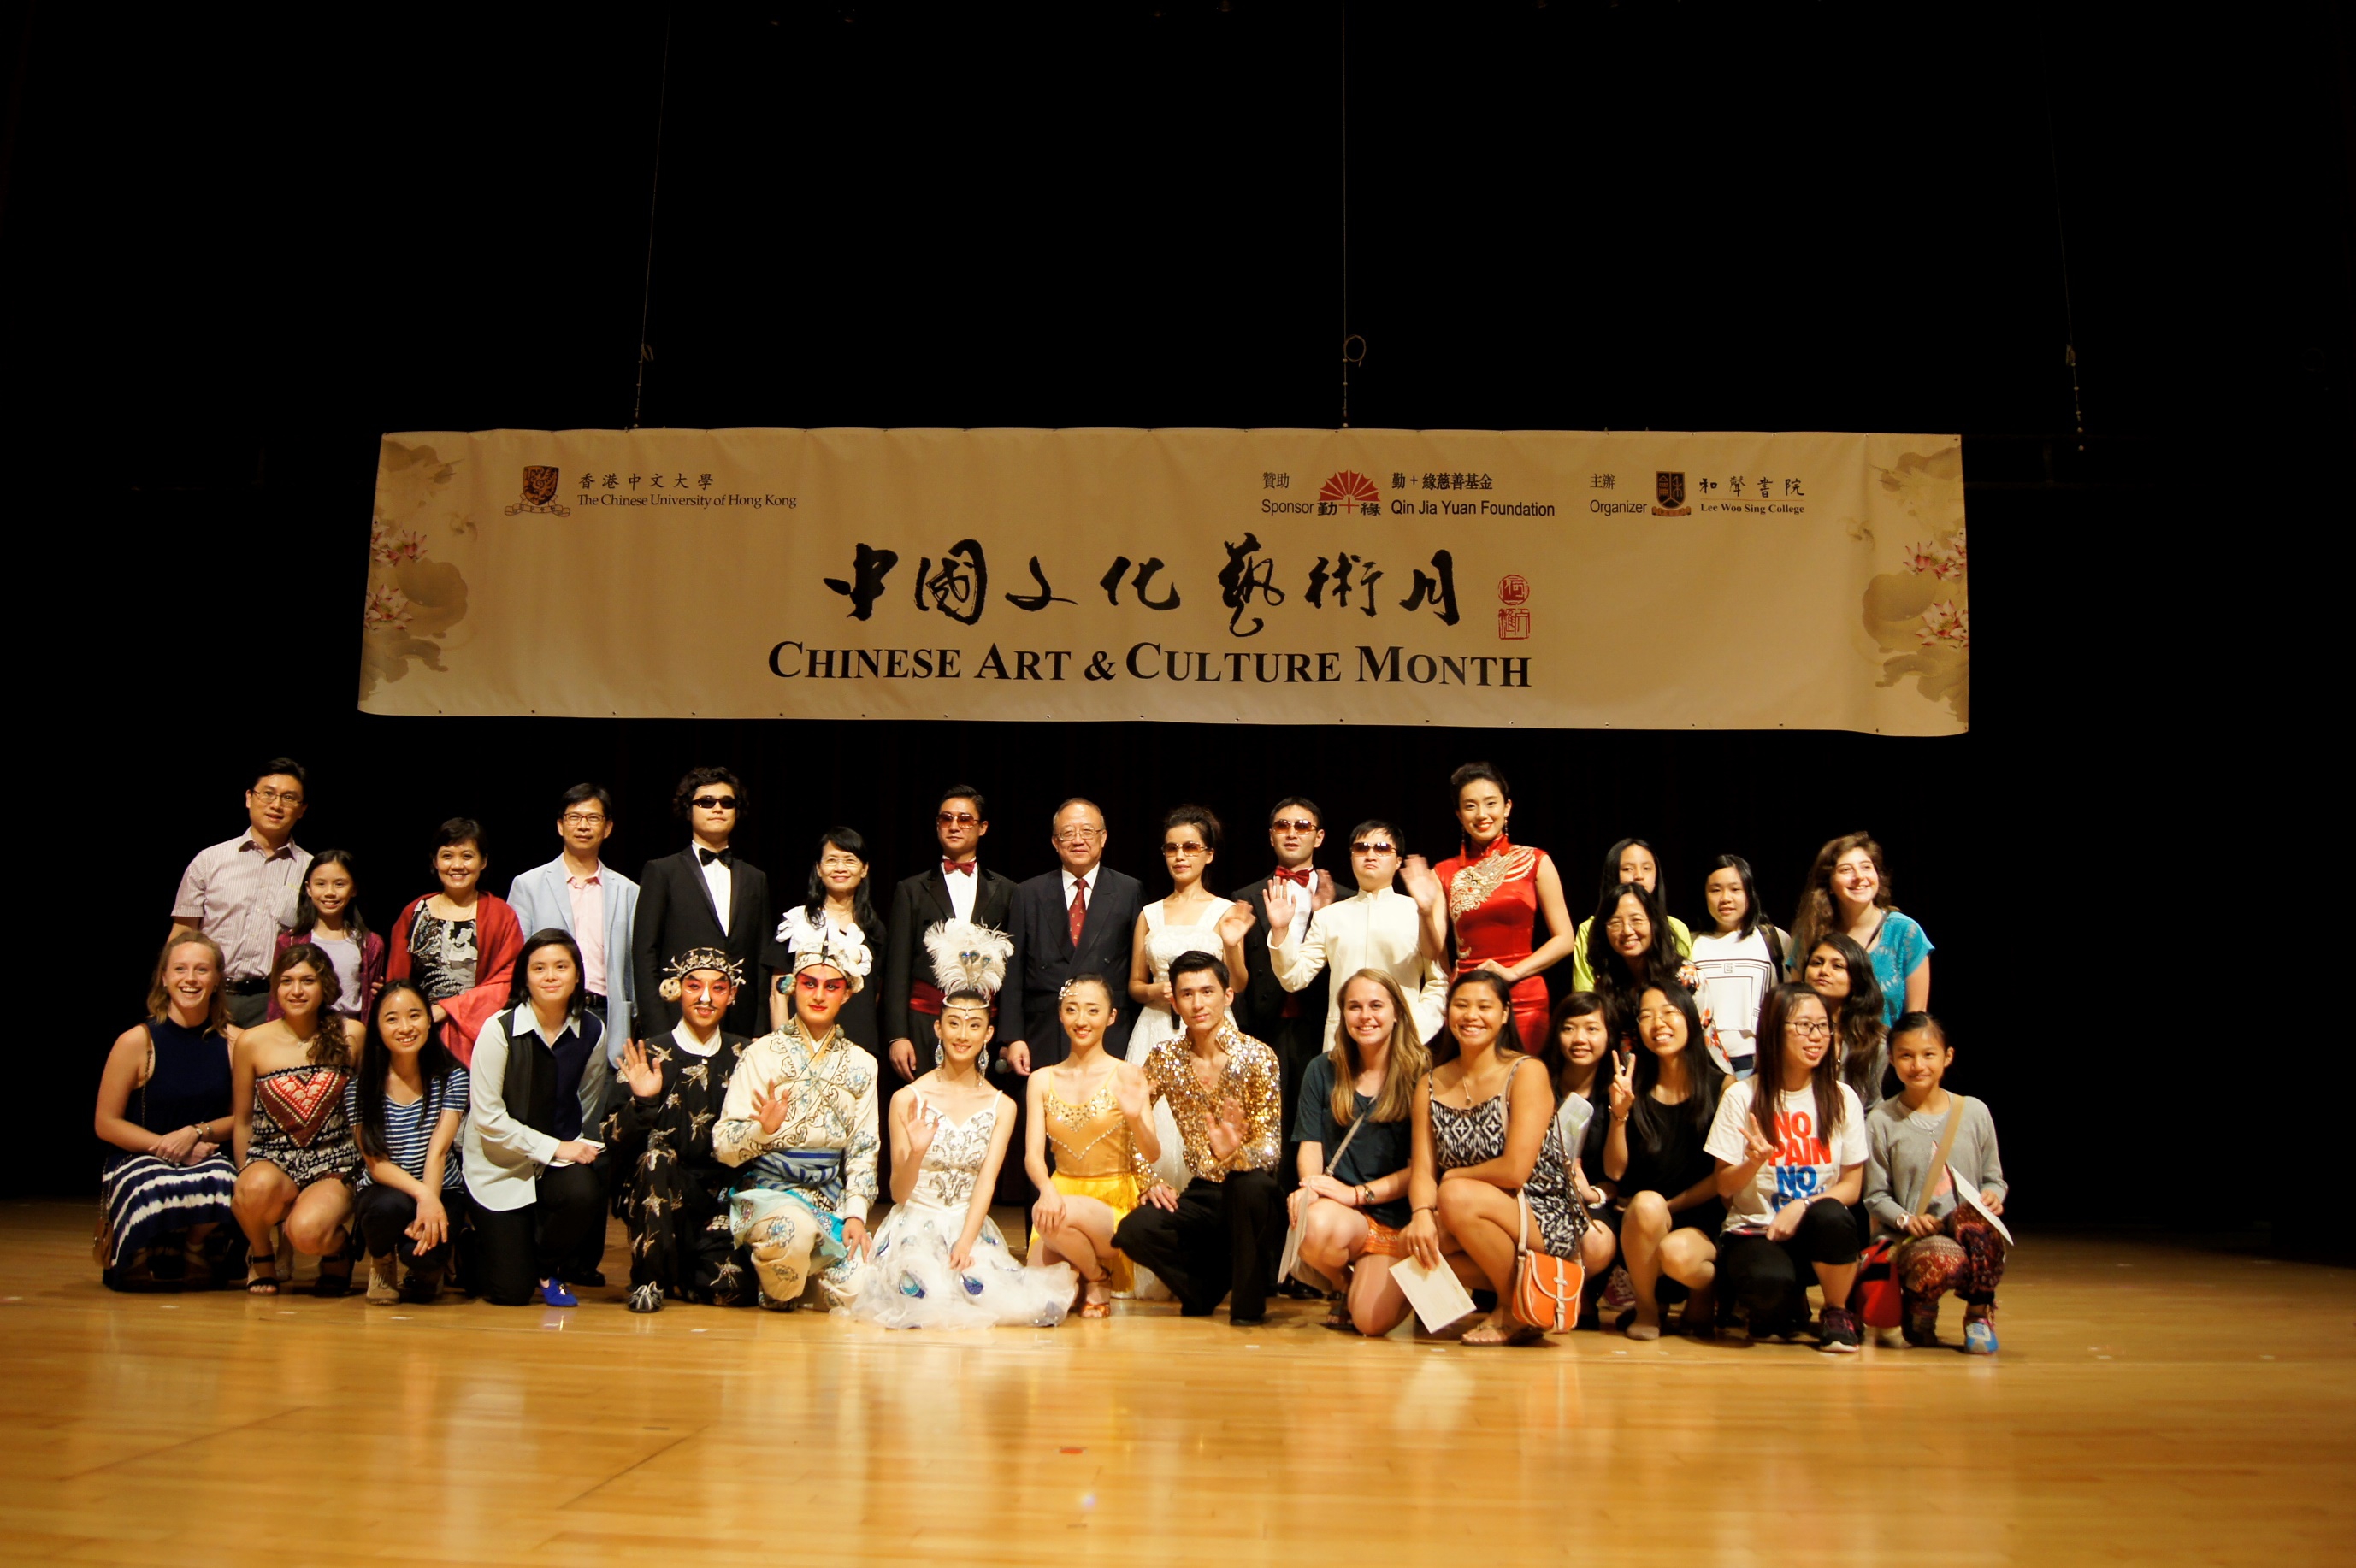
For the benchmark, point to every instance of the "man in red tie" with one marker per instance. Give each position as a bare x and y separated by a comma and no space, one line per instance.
953,888
1290,1023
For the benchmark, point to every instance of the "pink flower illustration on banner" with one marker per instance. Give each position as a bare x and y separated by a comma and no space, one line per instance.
412,600
1944,625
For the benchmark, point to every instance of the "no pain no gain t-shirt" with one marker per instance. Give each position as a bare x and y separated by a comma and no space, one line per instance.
1808,1161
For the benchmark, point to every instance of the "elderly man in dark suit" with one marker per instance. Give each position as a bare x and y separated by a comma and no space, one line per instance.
956,889
682,899
1079,919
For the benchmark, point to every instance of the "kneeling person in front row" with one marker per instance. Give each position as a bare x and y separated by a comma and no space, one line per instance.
676,1198
799,1124
1222,1232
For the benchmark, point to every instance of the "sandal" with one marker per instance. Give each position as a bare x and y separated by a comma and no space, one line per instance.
335,1271
258,1282
1095,1309
1486,1333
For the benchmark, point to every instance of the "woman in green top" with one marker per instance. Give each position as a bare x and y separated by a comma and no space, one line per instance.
1630,860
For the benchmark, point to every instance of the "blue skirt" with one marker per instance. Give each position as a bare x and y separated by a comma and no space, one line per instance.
148,1200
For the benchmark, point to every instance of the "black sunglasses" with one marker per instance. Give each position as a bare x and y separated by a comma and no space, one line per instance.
715,802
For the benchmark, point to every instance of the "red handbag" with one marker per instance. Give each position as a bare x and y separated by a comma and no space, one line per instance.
1880,1296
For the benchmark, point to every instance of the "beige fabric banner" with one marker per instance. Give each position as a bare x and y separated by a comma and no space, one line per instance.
1552,579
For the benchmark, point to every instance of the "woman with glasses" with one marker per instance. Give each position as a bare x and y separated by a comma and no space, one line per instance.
1488,897
1190,918
1632,861
1632,948
458,944
1791,1148
837,897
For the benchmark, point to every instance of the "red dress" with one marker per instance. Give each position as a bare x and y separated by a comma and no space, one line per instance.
1493,903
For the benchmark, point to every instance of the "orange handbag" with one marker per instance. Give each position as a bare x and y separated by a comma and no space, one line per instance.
1546,1287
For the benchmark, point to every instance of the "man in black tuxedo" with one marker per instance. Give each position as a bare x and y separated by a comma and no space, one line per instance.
1079,919
679,900
956,889
1288,1022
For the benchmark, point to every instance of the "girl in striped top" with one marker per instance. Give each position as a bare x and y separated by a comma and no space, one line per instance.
406,1103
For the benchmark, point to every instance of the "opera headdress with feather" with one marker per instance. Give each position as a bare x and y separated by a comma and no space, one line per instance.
967,957
677,971
825,941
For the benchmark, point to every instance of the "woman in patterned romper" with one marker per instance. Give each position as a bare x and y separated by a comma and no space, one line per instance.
1487,1146
295,1151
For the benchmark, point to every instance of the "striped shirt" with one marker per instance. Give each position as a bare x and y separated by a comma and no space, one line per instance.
409,1129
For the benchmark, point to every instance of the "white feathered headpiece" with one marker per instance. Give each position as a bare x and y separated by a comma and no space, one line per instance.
825,941
967,957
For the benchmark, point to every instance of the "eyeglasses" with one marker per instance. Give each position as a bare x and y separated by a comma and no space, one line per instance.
586,818
1292,825
713,803
1619,927
1182,849
957,820
274,798
1364,848
814,984
1079,835
1818,1030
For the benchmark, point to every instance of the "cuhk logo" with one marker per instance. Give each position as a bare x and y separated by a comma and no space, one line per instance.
539,482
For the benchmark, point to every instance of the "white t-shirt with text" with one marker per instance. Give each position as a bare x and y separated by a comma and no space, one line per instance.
1806,1164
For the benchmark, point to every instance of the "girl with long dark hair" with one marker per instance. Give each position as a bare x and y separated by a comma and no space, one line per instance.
1665,1096
1791,1149
1837,970
1737,962
1630,861
405,1102
328,916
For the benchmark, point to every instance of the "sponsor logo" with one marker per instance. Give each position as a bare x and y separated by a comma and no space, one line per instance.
539,481
1348,492
1669,494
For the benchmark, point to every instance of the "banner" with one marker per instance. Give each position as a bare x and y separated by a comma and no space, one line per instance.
1547,579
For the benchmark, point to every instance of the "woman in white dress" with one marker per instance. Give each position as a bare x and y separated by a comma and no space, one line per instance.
939,1261
1191,919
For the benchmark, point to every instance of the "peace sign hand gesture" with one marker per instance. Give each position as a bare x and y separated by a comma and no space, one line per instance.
1756,1149
772,1106
1623,1084
638,1069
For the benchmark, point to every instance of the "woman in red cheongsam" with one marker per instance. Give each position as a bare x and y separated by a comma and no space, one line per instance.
1489,897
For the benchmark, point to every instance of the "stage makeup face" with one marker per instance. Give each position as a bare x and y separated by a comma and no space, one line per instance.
704,996
963,1030
1481,809
820,991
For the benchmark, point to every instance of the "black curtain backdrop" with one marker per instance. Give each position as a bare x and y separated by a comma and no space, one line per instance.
238,248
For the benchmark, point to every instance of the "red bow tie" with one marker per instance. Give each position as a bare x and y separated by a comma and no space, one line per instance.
957,868
1303,878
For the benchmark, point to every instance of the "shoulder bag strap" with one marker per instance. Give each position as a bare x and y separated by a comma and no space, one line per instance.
1939,1158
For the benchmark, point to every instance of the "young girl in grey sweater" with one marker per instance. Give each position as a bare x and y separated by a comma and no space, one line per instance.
1951,1246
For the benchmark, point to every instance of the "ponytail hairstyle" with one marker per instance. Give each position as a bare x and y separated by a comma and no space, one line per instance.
307,913
1824,1082
1405,1066
434,1063
1649,1119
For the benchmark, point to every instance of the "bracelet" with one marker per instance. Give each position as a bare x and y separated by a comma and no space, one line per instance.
1365,1199
1426,1209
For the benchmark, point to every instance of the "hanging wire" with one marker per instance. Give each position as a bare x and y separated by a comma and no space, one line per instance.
1348,338
654,195
2061,238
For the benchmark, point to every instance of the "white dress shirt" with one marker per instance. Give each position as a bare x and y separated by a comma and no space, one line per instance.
1071,883
1382,931
962,888
721,880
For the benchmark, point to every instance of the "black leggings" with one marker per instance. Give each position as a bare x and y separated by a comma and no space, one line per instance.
384,1213
515,1249
1770,1279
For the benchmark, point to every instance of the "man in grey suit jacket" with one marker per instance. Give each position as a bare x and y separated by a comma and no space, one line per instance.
578,892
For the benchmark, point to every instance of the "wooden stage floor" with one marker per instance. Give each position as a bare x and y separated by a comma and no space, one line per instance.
2150,1405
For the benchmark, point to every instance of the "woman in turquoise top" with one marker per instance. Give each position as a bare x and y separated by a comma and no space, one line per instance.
1849,894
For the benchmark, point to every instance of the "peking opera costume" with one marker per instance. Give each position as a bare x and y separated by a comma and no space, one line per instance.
797,1188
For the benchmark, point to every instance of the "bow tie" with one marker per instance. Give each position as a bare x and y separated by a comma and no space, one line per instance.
957,868
1303,877
726,857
